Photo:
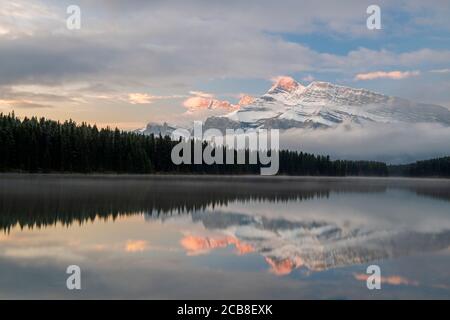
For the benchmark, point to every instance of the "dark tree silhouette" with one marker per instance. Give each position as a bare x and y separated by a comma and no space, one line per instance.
41,145
439,167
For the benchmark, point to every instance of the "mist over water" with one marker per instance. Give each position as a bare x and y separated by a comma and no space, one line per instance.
223,237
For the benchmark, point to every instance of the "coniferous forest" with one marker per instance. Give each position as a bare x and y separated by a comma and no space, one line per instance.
439,167
42,145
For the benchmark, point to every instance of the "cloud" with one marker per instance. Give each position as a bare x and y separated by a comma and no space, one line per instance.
172,47
393,143
23,104
395,75
196,245
144,98
247,46
282,267
202,94
394,280
140,98
440,71
136,246
27,18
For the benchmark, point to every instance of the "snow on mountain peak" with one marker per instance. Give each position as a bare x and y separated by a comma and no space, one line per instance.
245,100
320,104
284,83
288,104
319,92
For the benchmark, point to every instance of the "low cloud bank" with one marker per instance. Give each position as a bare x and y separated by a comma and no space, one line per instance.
392,143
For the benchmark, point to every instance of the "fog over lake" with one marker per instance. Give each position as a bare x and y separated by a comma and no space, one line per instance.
193,237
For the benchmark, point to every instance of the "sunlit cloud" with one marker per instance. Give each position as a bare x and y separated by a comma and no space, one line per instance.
3,30
281,267
43,252
25,18
395,75
196,245
23,104
144,98
202,94
140,98
136,246
393,280
251,49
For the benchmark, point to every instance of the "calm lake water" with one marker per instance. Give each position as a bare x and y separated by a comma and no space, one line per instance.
197,237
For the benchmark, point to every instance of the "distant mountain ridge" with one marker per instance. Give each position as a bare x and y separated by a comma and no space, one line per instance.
288,104
323,105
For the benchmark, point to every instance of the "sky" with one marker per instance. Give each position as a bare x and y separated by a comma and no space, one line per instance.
134,62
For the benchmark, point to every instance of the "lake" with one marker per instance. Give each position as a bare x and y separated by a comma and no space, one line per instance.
203,237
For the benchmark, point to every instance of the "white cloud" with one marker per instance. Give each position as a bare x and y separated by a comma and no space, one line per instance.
395,75
144,98
202,94
440,71
140,98
171,47
394,143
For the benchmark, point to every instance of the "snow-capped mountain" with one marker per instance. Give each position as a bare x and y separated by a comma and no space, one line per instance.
156,129
314,245
288,104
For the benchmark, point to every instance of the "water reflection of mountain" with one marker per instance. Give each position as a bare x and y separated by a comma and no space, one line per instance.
314,245
35,201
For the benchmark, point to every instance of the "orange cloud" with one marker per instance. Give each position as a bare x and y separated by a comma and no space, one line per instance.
197,103
283,267
394,280
280,268
396,75
198,245
285,82
136,245
243,248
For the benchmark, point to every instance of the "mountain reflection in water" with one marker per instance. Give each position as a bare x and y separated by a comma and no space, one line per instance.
285,243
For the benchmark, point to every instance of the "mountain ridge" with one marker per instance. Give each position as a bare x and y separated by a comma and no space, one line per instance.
320,105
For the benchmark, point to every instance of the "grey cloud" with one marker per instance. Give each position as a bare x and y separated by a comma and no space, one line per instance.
393,143
29,105
160,45
51,60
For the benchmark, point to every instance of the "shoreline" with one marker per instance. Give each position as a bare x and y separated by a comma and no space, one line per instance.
162,176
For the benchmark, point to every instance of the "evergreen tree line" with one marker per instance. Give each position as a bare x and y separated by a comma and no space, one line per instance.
439,167
42,145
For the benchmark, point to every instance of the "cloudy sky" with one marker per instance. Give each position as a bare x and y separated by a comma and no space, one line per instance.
138,61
